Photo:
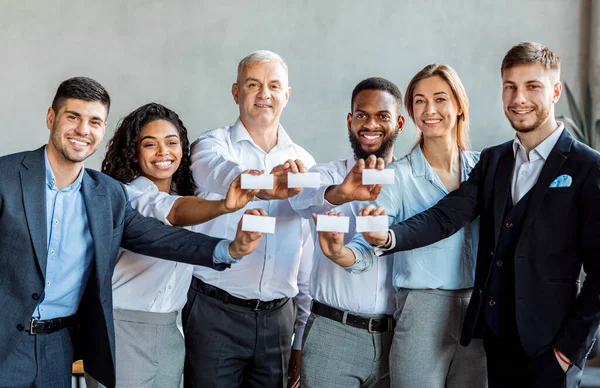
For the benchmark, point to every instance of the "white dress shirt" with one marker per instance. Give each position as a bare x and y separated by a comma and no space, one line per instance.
528,167
368,293
279,266
145,283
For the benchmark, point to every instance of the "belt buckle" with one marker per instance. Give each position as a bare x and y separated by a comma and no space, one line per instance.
31,324
370,328
256,308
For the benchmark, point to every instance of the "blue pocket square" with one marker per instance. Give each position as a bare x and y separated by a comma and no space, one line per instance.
562,181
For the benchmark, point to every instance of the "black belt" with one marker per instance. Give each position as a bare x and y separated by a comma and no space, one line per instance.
372,325
47,326
225,297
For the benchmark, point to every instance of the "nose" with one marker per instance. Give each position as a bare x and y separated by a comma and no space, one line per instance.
162,149
264,92
429,109
82,128
371,122
519,97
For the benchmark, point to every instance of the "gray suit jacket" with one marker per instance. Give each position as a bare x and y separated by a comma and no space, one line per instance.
113,223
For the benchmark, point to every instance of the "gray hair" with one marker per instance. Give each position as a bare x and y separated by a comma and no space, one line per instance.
260,56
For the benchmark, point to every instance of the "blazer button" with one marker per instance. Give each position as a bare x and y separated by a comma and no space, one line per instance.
20,327
35,296
499,263
492,303
508,224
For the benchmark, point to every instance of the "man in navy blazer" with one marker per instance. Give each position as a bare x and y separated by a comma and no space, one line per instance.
538,199
61,226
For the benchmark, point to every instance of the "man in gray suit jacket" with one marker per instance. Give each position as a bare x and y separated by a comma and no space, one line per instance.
60,228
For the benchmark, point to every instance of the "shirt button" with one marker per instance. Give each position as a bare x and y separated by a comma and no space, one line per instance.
499,263
20,327
508,224
48,283
35,296
52,251
491,253
381,289
56,222
524,173
492,303
169,287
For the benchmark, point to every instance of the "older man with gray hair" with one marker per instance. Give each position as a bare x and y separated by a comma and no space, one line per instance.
238,327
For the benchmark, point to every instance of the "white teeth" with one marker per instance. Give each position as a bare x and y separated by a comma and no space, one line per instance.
373,137
78,143
262,105
163,164
432,121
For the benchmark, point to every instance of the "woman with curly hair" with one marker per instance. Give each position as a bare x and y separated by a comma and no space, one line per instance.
149,152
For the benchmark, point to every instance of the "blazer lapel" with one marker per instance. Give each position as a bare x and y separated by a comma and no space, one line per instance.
549,172
33,180
100,221
501,188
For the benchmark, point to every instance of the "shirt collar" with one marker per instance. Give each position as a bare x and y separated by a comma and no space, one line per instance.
545,147
421,167
51,179
240,133
141,183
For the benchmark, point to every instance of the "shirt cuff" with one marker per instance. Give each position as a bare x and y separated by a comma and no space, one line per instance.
363,259
221,254
381,250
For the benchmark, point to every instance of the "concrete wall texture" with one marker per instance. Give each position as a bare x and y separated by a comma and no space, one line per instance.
184,54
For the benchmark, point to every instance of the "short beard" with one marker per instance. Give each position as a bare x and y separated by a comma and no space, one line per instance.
541,116
386,145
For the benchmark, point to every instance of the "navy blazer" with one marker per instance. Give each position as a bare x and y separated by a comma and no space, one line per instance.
560,233
113,223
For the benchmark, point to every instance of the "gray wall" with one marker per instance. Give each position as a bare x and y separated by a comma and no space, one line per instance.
184,54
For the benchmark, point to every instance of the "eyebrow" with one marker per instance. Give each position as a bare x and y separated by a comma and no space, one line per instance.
79,115
256,80
154,137
379,111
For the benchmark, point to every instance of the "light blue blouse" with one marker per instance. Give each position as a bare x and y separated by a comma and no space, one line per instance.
448,264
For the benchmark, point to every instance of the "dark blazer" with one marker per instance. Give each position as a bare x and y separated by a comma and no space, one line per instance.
560,233
113,223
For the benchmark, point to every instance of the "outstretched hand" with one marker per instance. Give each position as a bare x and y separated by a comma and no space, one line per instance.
246,242
332,243
352,189
237,197
280,185
374,238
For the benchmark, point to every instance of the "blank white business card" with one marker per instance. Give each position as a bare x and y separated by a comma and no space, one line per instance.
262,182
307,179
372,224
373,176
262,224
333,223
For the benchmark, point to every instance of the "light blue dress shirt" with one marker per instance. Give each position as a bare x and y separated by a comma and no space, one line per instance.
448,264
70,248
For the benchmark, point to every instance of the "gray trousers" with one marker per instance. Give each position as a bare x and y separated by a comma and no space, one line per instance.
426,351
233,346
39,361
338,355
149,350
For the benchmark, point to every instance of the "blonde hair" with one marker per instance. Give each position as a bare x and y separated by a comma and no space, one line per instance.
449,75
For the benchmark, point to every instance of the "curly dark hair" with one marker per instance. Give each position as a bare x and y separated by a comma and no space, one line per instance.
122,148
